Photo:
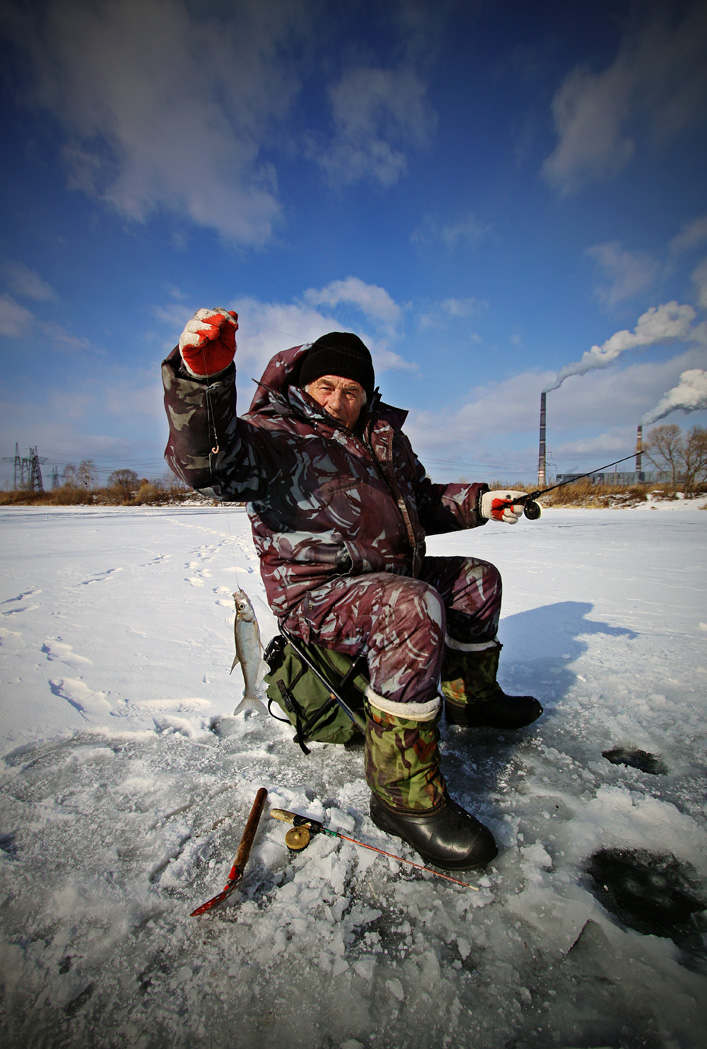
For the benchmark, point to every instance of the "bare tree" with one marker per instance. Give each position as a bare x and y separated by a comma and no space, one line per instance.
69,475
127,481
86,473
664,448
694,458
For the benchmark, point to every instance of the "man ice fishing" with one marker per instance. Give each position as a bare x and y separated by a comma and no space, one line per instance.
340,506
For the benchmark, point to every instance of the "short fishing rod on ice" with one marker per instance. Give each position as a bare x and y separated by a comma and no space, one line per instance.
298,838
532,510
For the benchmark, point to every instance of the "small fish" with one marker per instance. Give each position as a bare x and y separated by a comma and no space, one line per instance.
246,633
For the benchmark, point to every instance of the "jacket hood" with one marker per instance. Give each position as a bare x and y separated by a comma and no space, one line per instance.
280,372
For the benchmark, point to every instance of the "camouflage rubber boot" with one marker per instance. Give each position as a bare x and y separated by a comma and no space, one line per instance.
409,796
472,694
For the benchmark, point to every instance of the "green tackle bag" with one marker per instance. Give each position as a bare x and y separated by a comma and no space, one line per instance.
305,700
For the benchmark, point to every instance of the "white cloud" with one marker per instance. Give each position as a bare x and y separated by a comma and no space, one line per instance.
167,111
165,105
690,395
378,115
59,338
699,279
441,314
455,307
172,317
15,320
26,282
266,328
628,272
653,91
659,324
373,301
469,438
692,235
465,230
589,112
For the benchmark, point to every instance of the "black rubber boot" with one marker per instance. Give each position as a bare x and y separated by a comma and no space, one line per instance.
504,711
474,698
447,836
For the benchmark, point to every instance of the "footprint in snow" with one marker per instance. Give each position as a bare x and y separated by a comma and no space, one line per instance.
88,703
16,601
101,577
11,639
32,592
55,648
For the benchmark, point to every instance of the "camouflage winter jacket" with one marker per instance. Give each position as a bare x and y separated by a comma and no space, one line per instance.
323,501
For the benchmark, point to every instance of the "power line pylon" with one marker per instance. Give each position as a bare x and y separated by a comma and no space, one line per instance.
35,472
27,471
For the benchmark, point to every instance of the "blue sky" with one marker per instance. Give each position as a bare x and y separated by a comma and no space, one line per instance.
495,195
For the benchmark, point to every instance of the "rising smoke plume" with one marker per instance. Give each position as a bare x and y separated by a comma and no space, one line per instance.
656,325
690,395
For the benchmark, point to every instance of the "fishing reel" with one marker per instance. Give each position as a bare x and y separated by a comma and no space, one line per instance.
300,833
298,838
531,510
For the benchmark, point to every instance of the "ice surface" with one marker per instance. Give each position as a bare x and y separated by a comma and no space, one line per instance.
126,784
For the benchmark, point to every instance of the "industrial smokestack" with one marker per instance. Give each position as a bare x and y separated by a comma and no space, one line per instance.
542,481
639,452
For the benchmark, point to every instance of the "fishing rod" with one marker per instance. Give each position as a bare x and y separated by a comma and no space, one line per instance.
298,838
531,509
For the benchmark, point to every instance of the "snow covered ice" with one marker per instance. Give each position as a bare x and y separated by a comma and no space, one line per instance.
127,782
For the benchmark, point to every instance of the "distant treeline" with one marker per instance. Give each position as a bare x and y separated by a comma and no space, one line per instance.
583,493
680,457
124,488
589,495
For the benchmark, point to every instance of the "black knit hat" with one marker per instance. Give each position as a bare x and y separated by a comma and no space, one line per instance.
339,353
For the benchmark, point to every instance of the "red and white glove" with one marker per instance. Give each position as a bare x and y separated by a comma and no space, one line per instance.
208,342
499,506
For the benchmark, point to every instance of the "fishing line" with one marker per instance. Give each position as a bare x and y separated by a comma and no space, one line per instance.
215,449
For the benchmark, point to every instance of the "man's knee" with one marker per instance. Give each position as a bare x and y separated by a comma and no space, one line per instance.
415,621
405,653
482,573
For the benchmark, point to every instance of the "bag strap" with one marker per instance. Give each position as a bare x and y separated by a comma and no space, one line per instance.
301,649
293,706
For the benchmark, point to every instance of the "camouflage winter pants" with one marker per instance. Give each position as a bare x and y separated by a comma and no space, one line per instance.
400,622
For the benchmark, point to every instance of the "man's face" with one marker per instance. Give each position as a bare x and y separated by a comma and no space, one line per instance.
343,399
